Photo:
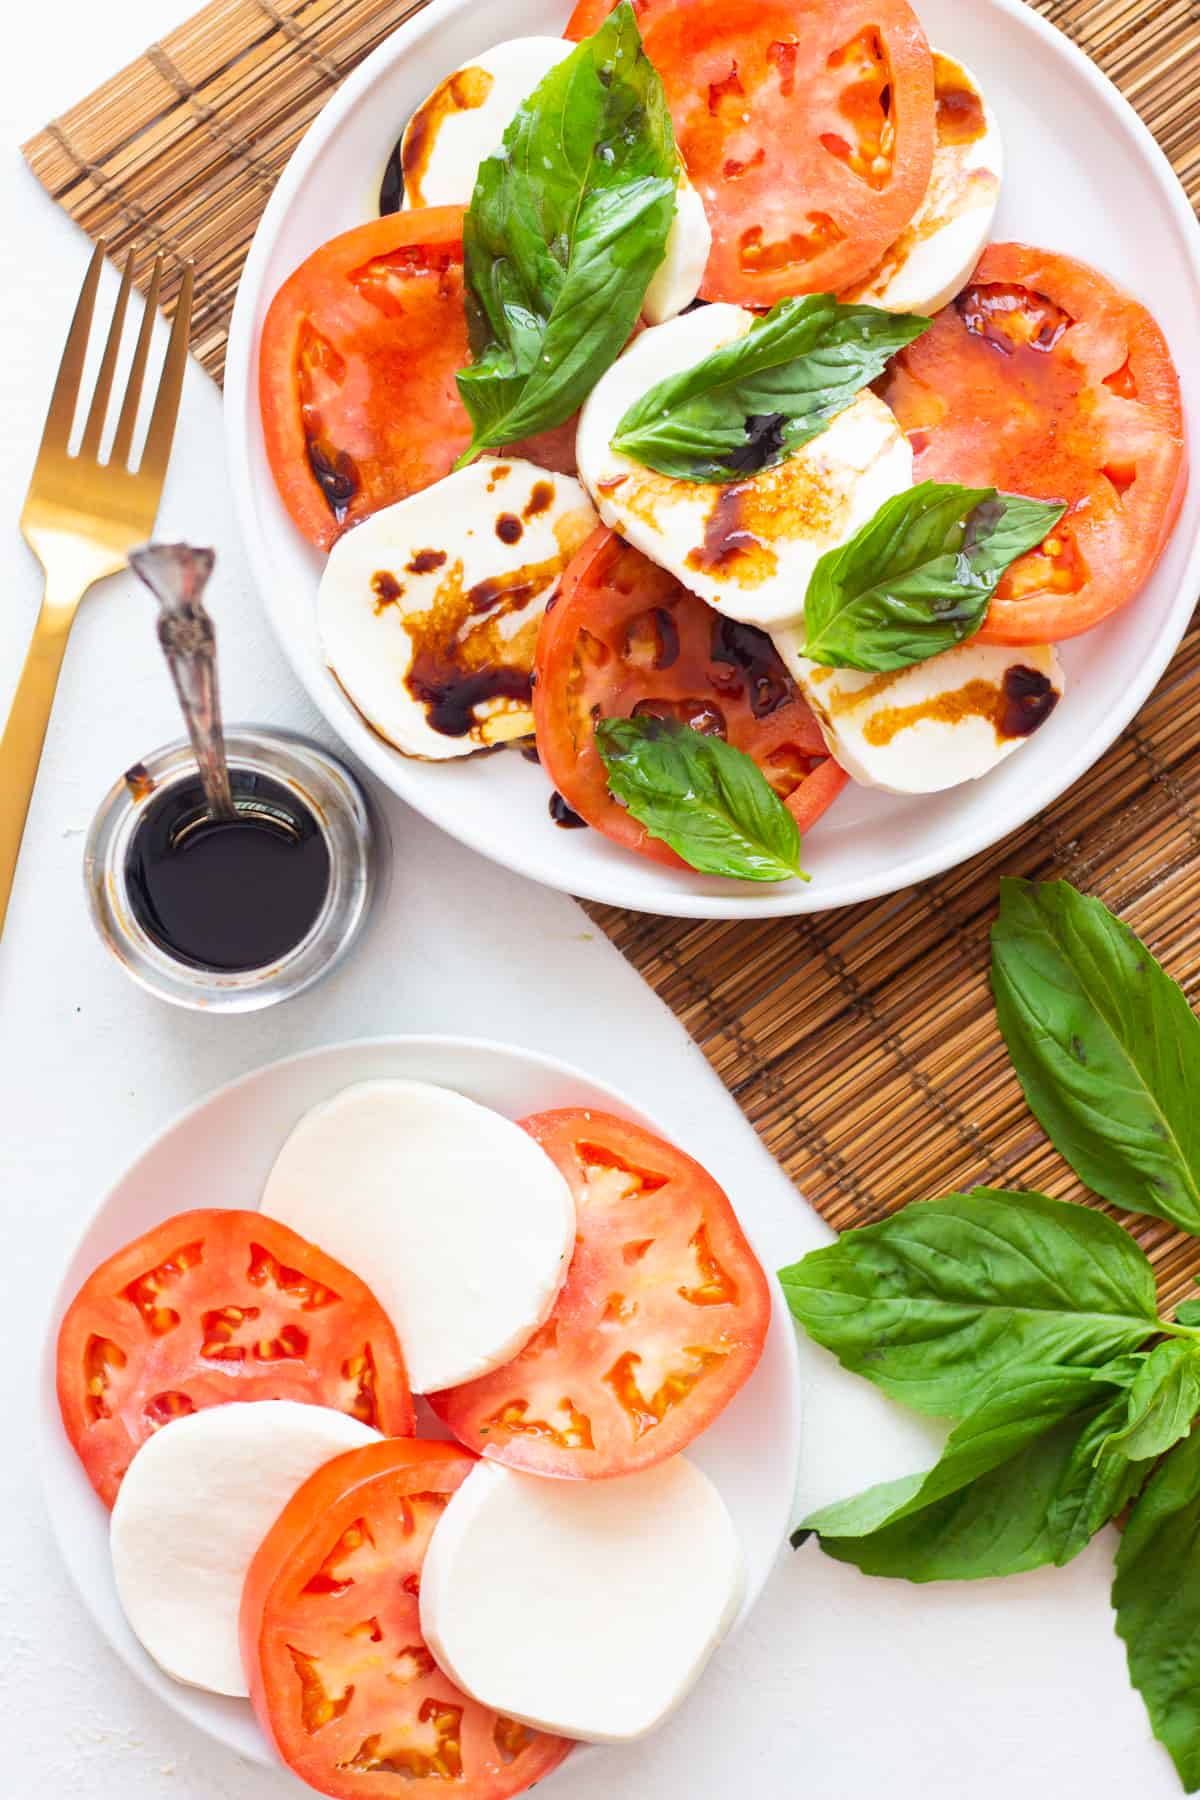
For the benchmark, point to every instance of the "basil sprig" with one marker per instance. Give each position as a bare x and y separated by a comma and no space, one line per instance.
566,227
711,803
937,1303
1033,1323
1105,1046
1163,1401
1156,1595
1023,1482
752,403
918,577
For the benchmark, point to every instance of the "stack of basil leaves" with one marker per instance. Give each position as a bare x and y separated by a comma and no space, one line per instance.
1033,1323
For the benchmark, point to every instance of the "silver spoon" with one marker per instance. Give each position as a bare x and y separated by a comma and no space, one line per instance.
177,575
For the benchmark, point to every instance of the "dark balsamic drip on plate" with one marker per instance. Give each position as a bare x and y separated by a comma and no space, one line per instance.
754,656
763,445
391,188
231,895
563,815
336,474
1028,699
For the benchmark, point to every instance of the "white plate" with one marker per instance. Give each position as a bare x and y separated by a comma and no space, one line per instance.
1083,176
220,1152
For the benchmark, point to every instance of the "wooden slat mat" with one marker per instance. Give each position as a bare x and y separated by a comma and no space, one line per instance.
861,1044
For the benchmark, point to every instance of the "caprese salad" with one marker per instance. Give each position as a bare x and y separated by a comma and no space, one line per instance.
678,424
575,1301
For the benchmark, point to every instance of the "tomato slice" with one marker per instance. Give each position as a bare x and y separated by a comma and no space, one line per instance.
216,1306
338,1671
661,1319
624,638
1044,378
356,370
808,128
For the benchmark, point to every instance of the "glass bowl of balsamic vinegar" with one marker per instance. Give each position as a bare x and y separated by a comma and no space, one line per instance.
231,916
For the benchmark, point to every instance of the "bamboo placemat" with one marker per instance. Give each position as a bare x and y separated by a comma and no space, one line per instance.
861,1044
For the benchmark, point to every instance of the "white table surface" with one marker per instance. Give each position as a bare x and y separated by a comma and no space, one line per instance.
840,1687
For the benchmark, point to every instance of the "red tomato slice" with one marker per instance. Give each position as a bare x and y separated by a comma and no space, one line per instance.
1044,378
808,128
661,1319
215,1306
338,1671
626,638
359,352
356,370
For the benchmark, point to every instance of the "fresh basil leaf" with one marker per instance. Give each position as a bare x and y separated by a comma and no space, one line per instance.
566,227
1015,1488
752,403
1105,1046
1163,1402
1157,1601
1188,1313
918,578
711,803
1096,1483
935,1303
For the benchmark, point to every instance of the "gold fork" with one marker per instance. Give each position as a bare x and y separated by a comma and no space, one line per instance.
82,516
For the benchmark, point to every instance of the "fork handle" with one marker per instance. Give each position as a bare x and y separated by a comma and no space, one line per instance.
25,734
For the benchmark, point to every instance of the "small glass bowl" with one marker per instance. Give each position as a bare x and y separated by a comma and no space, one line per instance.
322,786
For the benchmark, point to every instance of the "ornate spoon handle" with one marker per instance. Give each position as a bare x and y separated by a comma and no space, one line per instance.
178,576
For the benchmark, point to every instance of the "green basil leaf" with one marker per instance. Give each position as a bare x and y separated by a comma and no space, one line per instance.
1105,1046
935,1303
1096,1483
1015,1489
918,578
1163,1402
1188,1313
1157,1601
752,403
711,803
566,227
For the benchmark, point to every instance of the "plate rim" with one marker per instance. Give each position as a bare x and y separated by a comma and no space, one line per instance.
792,899
195,1705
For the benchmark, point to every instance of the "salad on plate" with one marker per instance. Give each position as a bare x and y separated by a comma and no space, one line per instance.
679,425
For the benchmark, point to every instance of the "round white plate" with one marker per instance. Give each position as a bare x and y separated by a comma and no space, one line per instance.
219,1154
1083,176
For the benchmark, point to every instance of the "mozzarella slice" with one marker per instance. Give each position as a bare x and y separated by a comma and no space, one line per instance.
677,281
429,610
934,256
749,546
941,722
464,120
195,1503
461,1224
586,1608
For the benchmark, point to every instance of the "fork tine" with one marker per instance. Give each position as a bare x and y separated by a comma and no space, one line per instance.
57,430
127,423
166,404
94,428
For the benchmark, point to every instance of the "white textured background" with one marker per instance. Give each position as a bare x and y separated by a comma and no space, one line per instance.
840,1688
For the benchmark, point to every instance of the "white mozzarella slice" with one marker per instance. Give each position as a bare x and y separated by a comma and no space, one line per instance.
748,547
429,610
464,120
935,254
460,1223
585,1608
941,722
677,280
194,1506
